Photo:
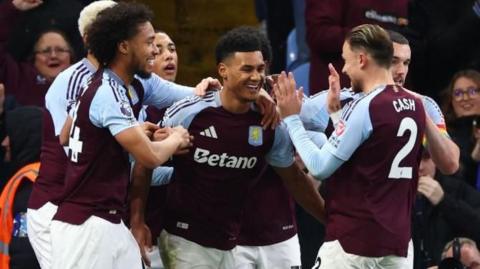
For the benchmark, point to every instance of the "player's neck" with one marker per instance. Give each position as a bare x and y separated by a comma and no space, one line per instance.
376,78
231,103
92,60
122,71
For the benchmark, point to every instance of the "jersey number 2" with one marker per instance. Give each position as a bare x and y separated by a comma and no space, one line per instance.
397,172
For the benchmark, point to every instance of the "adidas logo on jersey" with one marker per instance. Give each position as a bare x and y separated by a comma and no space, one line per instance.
209,132
223,160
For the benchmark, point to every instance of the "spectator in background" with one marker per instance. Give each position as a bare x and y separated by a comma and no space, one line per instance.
327,23
22,144
6,104
29,81
446,208
450,35
461,105
468,253
56,14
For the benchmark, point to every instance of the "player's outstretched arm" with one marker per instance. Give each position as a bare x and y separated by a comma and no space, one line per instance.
152,154
141,180
302,188
445,153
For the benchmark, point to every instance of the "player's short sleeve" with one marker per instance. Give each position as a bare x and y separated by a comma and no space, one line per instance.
281,153
163,93
56,102
111,109
435,113
182,112
314,113
161,175
353,129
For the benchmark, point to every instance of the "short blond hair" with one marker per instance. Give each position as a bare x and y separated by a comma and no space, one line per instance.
90,12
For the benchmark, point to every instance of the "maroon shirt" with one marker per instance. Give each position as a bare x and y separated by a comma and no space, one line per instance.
327,23
97,183
368,212
269,213
210,184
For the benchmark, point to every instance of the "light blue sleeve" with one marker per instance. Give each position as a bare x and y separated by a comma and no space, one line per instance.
161,175
435,113
56,102
107,112
348,135
163,93
314,113
353,129
281,153
320,162
318,138
183,111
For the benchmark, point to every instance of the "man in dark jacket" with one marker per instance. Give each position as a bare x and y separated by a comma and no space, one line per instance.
447,207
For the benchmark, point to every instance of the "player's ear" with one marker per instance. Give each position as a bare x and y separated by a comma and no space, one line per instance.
222,71
362,59
123,47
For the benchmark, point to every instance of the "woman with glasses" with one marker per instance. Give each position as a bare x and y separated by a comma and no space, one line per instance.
29,81
461,105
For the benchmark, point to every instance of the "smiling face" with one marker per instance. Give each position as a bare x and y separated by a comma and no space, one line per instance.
143,50
352,67
243,74
52,55
166,61
465,97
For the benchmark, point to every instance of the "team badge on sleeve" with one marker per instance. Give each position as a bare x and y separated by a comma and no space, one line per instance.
255,136
126,109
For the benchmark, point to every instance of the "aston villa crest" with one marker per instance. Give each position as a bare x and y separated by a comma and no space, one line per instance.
255,136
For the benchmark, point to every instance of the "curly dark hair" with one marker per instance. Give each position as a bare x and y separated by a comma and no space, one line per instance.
114,25
241,39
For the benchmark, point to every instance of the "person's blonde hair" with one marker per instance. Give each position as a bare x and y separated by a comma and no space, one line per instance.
90,12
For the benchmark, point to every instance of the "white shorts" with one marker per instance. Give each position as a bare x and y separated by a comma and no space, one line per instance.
180,253
96,243
38,229
281,255
332,256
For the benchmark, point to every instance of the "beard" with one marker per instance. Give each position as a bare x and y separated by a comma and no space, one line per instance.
143,74
399,80
356,86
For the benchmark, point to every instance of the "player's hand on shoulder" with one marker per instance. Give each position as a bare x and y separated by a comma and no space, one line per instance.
268,108
25,5
143,236
289,99
207,84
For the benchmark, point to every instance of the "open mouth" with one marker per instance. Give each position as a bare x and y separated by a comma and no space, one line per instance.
170,68
53,65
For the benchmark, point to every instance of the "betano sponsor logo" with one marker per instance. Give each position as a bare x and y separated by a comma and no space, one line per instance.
223,160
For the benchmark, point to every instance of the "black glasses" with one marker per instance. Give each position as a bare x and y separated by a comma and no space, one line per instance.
48,51
472,92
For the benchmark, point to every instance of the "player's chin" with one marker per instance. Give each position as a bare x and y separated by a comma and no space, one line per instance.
144,73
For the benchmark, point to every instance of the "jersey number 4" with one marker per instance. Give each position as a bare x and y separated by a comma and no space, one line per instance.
397,172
